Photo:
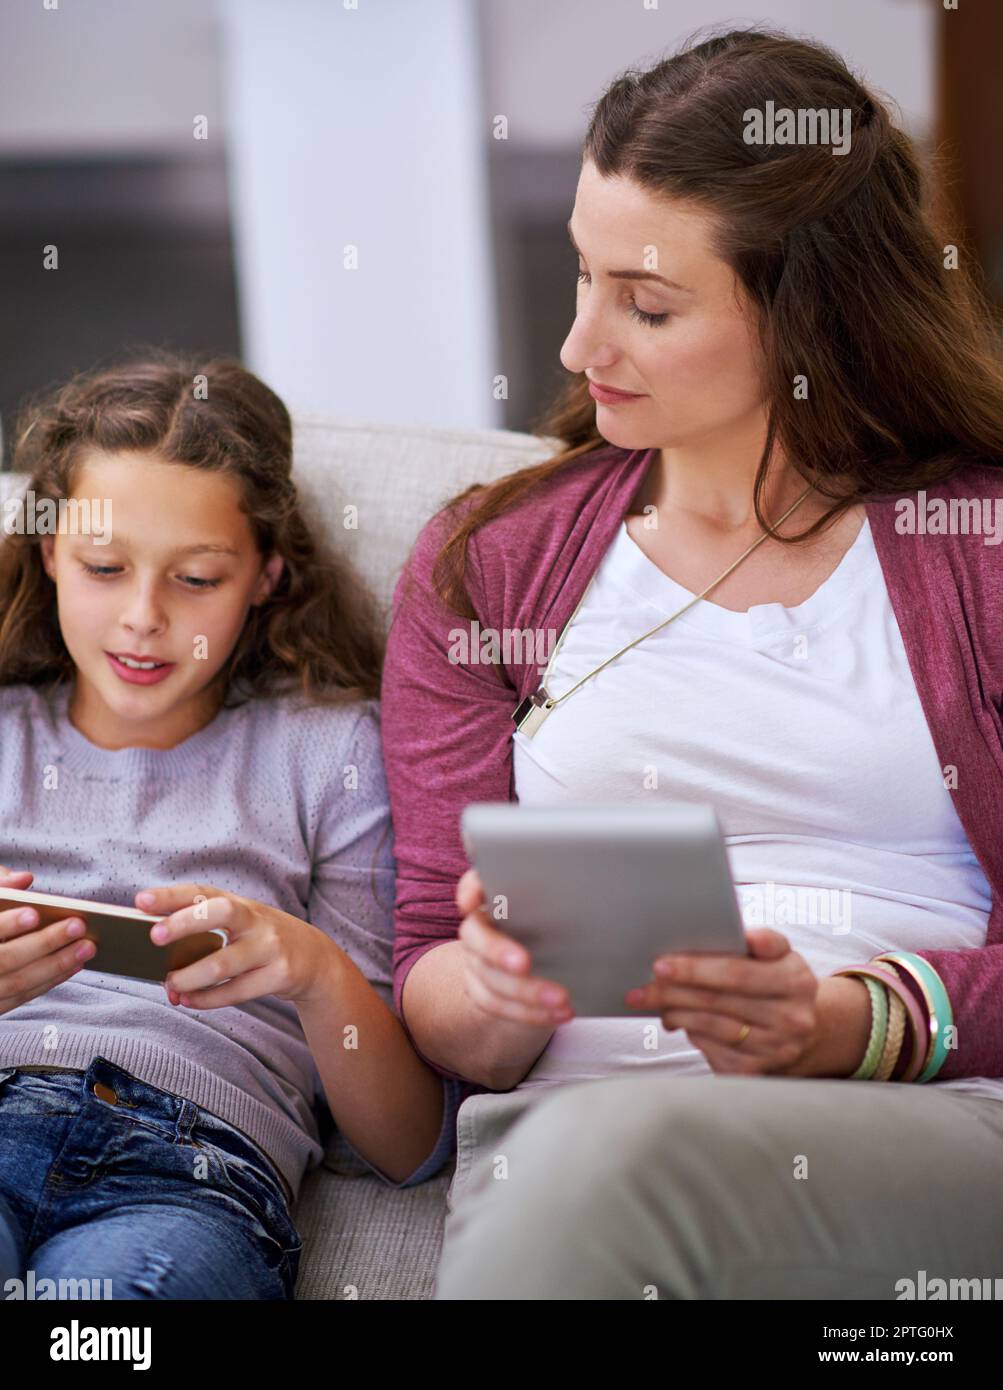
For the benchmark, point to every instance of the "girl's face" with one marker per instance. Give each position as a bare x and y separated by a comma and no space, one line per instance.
689,348
173,585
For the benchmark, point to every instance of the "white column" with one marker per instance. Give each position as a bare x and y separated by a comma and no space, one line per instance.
362,128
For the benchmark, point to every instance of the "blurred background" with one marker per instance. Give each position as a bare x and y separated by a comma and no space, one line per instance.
319,186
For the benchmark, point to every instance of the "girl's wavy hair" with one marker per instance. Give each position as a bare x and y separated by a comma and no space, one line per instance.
318,632
841,256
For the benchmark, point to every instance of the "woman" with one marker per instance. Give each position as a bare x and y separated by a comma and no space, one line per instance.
797,351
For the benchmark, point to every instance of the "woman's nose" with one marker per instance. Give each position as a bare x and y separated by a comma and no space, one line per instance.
585,347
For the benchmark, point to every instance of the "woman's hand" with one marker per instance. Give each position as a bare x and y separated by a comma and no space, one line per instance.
497,974
269,952
34,959
711,996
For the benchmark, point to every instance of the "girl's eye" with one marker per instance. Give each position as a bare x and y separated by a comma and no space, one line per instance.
190,581
652,320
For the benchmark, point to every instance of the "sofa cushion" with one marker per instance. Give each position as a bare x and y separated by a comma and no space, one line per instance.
363,1239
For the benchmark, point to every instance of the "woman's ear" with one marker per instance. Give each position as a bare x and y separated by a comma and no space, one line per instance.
45,545
270,576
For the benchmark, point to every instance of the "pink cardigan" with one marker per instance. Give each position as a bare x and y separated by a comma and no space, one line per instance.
447,727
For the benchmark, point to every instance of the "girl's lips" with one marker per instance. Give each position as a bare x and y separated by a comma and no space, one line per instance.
133,677
608,397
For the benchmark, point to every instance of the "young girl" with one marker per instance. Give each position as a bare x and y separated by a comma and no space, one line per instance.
189,725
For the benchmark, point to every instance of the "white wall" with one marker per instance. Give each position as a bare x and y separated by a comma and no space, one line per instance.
363,127
106,77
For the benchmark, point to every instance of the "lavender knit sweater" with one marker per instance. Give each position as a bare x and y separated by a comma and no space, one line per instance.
255,803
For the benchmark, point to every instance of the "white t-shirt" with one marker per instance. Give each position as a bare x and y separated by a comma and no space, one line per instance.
803,728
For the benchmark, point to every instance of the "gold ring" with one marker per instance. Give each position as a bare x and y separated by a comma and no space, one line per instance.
746,1030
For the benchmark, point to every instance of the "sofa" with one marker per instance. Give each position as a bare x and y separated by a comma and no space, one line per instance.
362,1238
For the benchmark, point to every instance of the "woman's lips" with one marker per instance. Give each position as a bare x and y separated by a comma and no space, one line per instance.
607,396
134,677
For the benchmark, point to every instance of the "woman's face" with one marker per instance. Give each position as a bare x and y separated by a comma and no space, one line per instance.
697,366
174,584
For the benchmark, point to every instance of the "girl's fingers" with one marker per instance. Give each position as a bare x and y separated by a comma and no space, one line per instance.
15,921
21,943
189,921
14,873
67,973
227,963
249,985
40,975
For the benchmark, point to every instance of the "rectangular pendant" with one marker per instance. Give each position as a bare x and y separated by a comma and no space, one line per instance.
531,713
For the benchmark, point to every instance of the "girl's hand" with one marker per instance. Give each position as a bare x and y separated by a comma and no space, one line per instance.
712,996
497,976
33,959
269,952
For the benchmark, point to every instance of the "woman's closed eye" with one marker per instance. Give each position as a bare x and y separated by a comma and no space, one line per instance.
190,581
652,320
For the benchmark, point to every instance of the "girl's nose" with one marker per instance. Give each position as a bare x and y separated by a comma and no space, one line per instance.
143,615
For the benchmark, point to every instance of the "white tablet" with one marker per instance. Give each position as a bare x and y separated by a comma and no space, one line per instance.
596,892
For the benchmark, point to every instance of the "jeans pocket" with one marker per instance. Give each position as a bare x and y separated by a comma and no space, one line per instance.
5,1075
252,1184
260,1191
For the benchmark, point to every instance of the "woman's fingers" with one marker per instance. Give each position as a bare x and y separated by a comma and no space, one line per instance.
469,891
513,1010
501,967
744,1007
531,990
492,946
498,975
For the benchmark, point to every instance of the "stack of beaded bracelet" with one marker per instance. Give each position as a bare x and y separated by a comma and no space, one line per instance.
899,982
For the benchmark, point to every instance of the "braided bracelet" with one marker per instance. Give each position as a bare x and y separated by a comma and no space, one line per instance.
908,1009
879,1031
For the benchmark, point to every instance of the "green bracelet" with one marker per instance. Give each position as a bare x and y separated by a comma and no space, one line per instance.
938,1006
879,1030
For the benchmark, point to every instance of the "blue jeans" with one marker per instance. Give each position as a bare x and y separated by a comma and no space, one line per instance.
104,1177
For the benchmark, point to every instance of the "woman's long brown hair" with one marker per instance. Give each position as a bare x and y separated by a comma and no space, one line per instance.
317,633
842,257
